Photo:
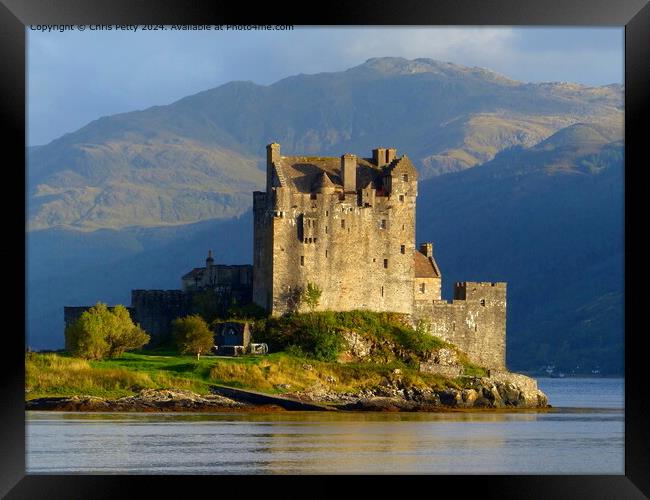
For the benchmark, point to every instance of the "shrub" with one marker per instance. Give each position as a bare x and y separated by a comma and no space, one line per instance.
192,335
100,332
311,296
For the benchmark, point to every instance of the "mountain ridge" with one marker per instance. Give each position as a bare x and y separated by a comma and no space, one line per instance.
447,120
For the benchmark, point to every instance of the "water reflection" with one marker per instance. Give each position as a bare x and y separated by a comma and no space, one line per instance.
319,442
559,441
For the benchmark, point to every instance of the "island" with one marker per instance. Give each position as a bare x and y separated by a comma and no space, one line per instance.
348,308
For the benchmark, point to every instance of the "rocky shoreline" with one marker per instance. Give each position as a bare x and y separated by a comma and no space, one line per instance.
501,390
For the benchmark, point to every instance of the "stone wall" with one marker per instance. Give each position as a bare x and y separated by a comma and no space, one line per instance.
427,289
155,310
475,321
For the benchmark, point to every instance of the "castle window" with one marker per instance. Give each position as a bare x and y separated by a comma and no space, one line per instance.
483,302
385,263
314,240
302,260
402,248
382,291
383,224
405,177
423,288
327,212
326,253
305,240
325,229
310,240
401,197
343,223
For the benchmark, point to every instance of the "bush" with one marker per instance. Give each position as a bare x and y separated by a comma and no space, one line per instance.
311,296
319,334
192,335
314,334
100,332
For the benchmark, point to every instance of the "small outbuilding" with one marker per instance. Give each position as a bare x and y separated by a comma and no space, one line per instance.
230,334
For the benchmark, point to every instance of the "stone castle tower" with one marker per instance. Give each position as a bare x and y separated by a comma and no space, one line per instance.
348,225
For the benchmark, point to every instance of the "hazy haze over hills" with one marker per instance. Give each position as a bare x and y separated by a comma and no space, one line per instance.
531,193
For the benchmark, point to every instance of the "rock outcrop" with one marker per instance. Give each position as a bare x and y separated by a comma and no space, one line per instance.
501,390
148,400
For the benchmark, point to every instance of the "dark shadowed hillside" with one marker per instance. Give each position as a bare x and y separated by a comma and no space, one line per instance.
80,268
549,221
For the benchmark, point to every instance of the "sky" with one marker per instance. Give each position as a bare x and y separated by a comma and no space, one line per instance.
75,77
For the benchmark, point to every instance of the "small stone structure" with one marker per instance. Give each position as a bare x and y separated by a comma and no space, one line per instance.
231,333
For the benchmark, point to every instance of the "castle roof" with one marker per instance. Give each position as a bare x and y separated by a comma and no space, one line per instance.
196,273
425,267
402,163
324,182
304,173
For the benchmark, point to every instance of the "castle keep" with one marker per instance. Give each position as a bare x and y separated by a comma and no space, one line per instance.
347,225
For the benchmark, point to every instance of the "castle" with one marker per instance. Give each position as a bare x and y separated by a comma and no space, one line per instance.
346,225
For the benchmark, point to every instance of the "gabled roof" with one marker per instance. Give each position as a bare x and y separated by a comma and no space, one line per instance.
304,173
425,267
196,273
324,182
402,163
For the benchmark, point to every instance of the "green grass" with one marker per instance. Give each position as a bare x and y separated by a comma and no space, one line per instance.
62,375
305,355
52,375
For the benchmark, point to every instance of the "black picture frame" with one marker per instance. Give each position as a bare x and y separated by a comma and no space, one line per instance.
633,14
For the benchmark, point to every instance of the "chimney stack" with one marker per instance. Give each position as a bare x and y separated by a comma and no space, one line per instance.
427,249
379,156
349,172
272,156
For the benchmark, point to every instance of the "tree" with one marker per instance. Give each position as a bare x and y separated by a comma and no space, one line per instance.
100,332
193,335
123,334
311,296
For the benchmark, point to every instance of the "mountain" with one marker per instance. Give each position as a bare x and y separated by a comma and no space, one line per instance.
200,157
519,182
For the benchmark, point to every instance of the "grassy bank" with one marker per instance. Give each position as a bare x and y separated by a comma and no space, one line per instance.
307,350
52,375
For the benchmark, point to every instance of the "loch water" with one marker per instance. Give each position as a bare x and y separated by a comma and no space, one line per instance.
582,434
